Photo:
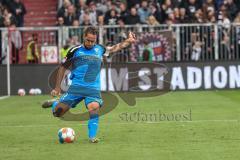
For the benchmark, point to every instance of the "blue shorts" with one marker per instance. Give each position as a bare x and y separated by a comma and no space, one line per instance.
72,100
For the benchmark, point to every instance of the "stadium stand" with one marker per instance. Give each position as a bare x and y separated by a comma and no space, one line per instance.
40,12
79,13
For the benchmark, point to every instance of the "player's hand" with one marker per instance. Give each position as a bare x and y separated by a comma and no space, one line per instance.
131,37
55,92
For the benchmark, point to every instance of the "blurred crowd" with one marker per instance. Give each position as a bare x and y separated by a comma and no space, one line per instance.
12,13
195,45
152,12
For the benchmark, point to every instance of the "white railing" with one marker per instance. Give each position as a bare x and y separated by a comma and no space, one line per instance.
191,42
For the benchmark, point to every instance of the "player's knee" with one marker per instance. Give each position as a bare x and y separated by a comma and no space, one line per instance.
93,107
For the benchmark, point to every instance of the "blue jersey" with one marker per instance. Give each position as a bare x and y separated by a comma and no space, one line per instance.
85,68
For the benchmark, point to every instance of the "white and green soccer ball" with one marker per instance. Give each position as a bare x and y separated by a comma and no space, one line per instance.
66,135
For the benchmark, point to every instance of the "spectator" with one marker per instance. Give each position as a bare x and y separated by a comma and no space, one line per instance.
198,17
108,15
64,50
224,48
196,47
156,12
196,51
133,18
112,19
192,6
80,7
8,18
231,8
18,10
102,7
63,11
75,40
71,15
93,14
100,20
167,8
208,9
183,18
211,17
86,20
112,32
16,42
171,17
224,20
32,50
60,21
80,4
75,32
163,10
123,12
176,13
75,23
144,12
152,21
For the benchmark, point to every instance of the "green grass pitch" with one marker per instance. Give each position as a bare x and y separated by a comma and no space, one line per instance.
210,129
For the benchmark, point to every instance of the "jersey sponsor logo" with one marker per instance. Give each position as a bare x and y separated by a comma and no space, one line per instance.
96,49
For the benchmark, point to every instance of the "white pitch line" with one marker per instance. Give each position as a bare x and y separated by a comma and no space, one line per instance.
4,97
121,123
32,126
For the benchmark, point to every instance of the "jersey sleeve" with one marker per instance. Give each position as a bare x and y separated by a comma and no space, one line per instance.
71,52
104,50
69,56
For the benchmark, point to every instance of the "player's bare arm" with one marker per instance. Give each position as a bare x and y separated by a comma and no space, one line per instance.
60,75
57,90
115,48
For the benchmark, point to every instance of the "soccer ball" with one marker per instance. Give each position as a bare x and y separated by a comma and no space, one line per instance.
66,135
21,92
38,91
31,91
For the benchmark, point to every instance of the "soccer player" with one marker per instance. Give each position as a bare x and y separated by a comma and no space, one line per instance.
85,63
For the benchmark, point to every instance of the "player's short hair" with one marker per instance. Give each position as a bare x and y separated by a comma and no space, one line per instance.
90,30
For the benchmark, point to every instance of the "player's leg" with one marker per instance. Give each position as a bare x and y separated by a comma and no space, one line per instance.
59,109
93,106
66,101
49,103
93,109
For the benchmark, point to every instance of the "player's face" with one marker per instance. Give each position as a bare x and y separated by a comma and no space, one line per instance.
90,40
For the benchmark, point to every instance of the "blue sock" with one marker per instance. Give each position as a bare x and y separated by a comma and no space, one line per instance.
93,125
55,103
